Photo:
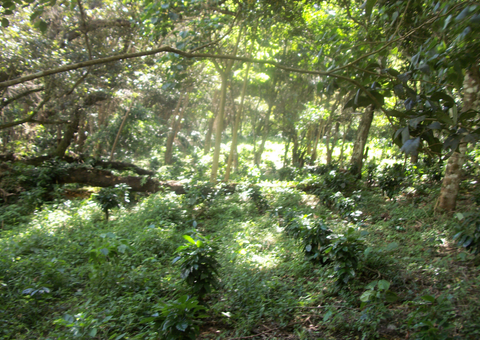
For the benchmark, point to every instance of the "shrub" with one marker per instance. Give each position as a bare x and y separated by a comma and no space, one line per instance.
468,235
198,264
431,319
345,252
176,319
391,179
110,198
313,235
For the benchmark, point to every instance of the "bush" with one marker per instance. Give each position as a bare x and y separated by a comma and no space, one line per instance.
198,264
345,252
390,180
468,235
110,198
313,235
176,319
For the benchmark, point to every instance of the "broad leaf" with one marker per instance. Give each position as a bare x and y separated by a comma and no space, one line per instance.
410,147
391,296
369,7
428,298
189,239
383,285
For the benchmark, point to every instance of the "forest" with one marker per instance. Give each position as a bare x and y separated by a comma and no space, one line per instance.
239,169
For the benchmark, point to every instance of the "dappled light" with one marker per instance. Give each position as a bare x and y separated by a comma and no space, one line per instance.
264,169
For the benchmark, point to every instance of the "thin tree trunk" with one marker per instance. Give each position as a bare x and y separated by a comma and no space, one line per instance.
258,154
120,131
453,171
318,130
211,122
334,142
295,148
176,124
362,135
285,154
344,140
238,118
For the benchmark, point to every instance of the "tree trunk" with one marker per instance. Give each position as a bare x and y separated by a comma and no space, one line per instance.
356,161
68,135
176,124
453,171
452,179
124,120
344,140
258,154
334,143
211,122
295,158
238,118
218,130
318,131
221,111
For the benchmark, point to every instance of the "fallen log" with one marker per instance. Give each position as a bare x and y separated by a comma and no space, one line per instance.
104,178
39,161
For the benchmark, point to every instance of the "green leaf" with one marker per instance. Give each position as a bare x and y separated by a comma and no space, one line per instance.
394,16
5,22
189,239
463,14
392,246
475,19
104,251
371,285
383,285
425,68
92,332
391,296
182,326
327,316
367,295
447,100
428,298
121,248
369,7
42,25
35,14
435,126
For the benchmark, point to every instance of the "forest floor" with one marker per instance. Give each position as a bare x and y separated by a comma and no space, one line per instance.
65,272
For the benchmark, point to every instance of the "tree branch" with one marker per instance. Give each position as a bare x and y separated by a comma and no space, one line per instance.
6,102
28,119
387,44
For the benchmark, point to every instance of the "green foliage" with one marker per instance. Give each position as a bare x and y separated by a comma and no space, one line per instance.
255,193
374,311
346,251
176,320
432,318
318,243
390,180
110,198
378,291
468,232
198,264
83,325
312,233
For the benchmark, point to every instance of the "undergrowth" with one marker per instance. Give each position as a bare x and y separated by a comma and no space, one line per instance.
277,259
